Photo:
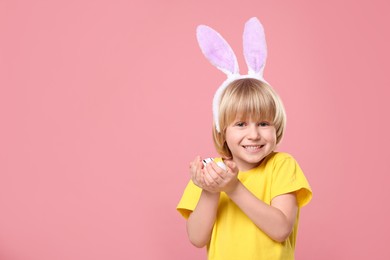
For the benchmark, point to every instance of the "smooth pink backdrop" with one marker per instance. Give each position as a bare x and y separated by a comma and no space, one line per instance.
104,103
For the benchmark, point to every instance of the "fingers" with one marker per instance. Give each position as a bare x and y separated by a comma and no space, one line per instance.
196,172
231,167
212,177
213,174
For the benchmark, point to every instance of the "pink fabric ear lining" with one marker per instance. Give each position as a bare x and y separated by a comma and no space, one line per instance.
255,47
217,50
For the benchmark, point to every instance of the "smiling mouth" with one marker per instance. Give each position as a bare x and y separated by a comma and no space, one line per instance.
253,147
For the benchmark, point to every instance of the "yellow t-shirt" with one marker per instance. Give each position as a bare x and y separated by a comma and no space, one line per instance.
234,235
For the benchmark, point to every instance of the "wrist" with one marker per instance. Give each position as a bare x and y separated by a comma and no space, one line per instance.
211,194
233,189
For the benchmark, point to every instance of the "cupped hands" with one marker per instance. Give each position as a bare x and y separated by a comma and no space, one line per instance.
212,178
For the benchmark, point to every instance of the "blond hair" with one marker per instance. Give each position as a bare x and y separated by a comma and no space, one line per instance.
248,98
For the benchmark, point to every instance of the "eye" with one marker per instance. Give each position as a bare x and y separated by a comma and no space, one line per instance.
240,124
264,123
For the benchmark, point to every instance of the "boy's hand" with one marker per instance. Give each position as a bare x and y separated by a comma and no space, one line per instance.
196,172
217,179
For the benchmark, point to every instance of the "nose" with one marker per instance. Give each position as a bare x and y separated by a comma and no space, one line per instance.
253,132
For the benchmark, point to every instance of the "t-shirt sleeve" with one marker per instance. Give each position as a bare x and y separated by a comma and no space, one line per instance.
189,200
288,177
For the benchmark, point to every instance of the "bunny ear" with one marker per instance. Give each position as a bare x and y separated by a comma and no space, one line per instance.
217,50
255,47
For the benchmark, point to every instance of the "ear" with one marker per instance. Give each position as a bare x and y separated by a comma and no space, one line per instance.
217,50
255,47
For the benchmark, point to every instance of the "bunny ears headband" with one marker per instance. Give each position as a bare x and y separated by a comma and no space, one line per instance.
221,55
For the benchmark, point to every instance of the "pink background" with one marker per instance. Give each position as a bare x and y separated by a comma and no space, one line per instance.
104,103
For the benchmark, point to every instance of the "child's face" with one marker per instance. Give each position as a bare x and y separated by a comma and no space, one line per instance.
250,142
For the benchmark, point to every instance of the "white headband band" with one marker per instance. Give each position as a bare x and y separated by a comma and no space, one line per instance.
221,55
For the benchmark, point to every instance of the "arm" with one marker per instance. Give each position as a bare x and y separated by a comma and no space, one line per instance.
201,221
276,220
